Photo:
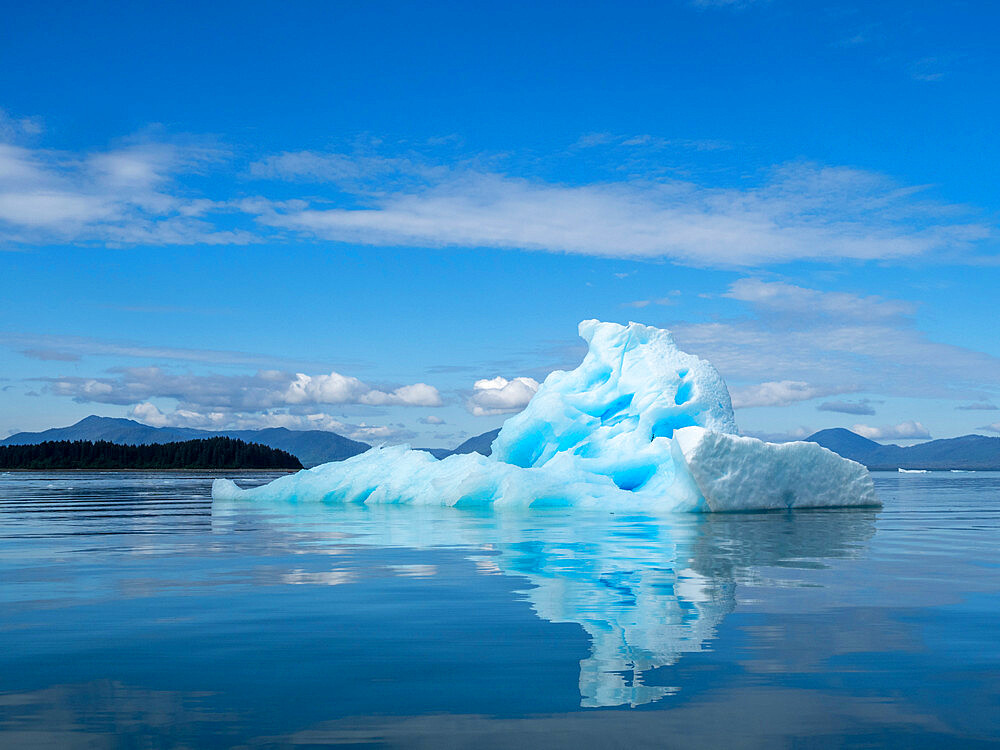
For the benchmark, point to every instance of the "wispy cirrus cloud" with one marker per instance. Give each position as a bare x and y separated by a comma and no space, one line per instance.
861,407
670,299
731,4
151,190
73,348
780,393
126,195
978,406
828,343
799,212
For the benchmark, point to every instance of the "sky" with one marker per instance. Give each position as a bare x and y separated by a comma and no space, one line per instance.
387,219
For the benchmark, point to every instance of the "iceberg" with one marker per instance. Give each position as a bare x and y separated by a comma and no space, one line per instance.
638,425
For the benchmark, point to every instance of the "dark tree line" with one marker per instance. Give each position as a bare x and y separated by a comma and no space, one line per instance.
211,453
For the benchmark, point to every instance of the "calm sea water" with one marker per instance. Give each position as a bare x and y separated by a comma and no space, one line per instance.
135,614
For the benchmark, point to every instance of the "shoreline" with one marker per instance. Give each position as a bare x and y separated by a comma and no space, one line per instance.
145,471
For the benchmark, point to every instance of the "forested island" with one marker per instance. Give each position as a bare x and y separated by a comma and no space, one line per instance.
210,453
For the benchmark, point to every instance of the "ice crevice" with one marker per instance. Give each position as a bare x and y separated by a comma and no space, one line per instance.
639,424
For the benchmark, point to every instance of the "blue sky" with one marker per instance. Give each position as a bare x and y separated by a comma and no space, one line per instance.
387,218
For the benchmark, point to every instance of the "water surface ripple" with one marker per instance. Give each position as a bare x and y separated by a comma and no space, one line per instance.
134,613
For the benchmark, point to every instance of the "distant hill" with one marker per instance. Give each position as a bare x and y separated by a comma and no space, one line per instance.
969,452
311,447
478,444
211,453
438,453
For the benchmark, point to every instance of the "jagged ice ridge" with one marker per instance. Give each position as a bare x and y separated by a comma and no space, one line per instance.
638,425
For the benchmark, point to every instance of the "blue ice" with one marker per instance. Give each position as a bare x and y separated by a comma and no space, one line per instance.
638,425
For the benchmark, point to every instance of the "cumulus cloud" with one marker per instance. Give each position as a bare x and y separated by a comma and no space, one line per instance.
431,420
150,414
501,396
908,430
220,393
863,407
418,394
995,427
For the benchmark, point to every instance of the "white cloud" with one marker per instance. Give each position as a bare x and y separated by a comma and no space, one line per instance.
736,4
50,355
139,193
339,389
979,406
16,128
324,389
150,414
122,196
418,394
995,427
72,348
862,406
833,342
668,300
789,299
501,396
798,433
776,393
903,431
337,168
431,420
225,393
801,212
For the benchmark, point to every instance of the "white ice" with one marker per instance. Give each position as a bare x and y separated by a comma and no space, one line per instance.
639,424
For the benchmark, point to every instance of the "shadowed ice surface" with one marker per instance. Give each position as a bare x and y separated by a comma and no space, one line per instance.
133,612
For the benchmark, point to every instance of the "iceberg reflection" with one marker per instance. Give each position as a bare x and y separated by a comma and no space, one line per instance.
646,589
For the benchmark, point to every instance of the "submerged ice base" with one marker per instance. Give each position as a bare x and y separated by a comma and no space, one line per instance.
638,425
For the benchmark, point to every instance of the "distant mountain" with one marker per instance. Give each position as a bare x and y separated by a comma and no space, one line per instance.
969,452
314,447
438,453
478,444
846,443
311,447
